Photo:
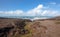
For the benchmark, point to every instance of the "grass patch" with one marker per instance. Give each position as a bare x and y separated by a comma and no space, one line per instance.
28,28
29,32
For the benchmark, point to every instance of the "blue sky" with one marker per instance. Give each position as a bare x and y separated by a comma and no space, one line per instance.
29,7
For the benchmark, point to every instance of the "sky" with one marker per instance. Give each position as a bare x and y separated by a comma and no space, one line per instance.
29,8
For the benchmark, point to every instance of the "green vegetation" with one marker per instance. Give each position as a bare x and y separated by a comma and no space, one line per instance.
28,28
25,31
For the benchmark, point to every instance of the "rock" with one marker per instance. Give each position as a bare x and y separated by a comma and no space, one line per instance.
11,27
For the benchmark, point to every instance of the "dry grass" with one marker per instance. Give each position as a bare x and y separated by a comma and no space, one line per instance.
57,22
27,28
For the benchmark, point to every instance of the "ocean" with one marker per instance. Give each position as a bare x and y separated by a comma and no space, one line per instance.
29,17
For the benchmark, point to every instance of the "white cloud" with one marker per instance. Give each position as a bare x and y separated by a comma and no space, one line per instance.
11,13
40,12
33,12
50,13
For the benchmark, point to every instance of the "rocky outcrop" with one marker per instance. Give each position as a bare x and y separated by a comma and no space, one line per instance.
11,27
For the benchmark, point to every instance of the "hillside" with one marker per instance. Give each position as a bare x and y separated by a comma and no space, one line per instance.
10,27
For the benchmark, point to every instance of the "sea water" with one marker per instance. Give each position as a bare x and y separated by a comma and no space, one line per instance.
30,17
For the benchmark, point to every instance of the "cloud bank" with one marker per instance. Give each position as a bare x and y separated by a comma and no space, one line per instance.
40,10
